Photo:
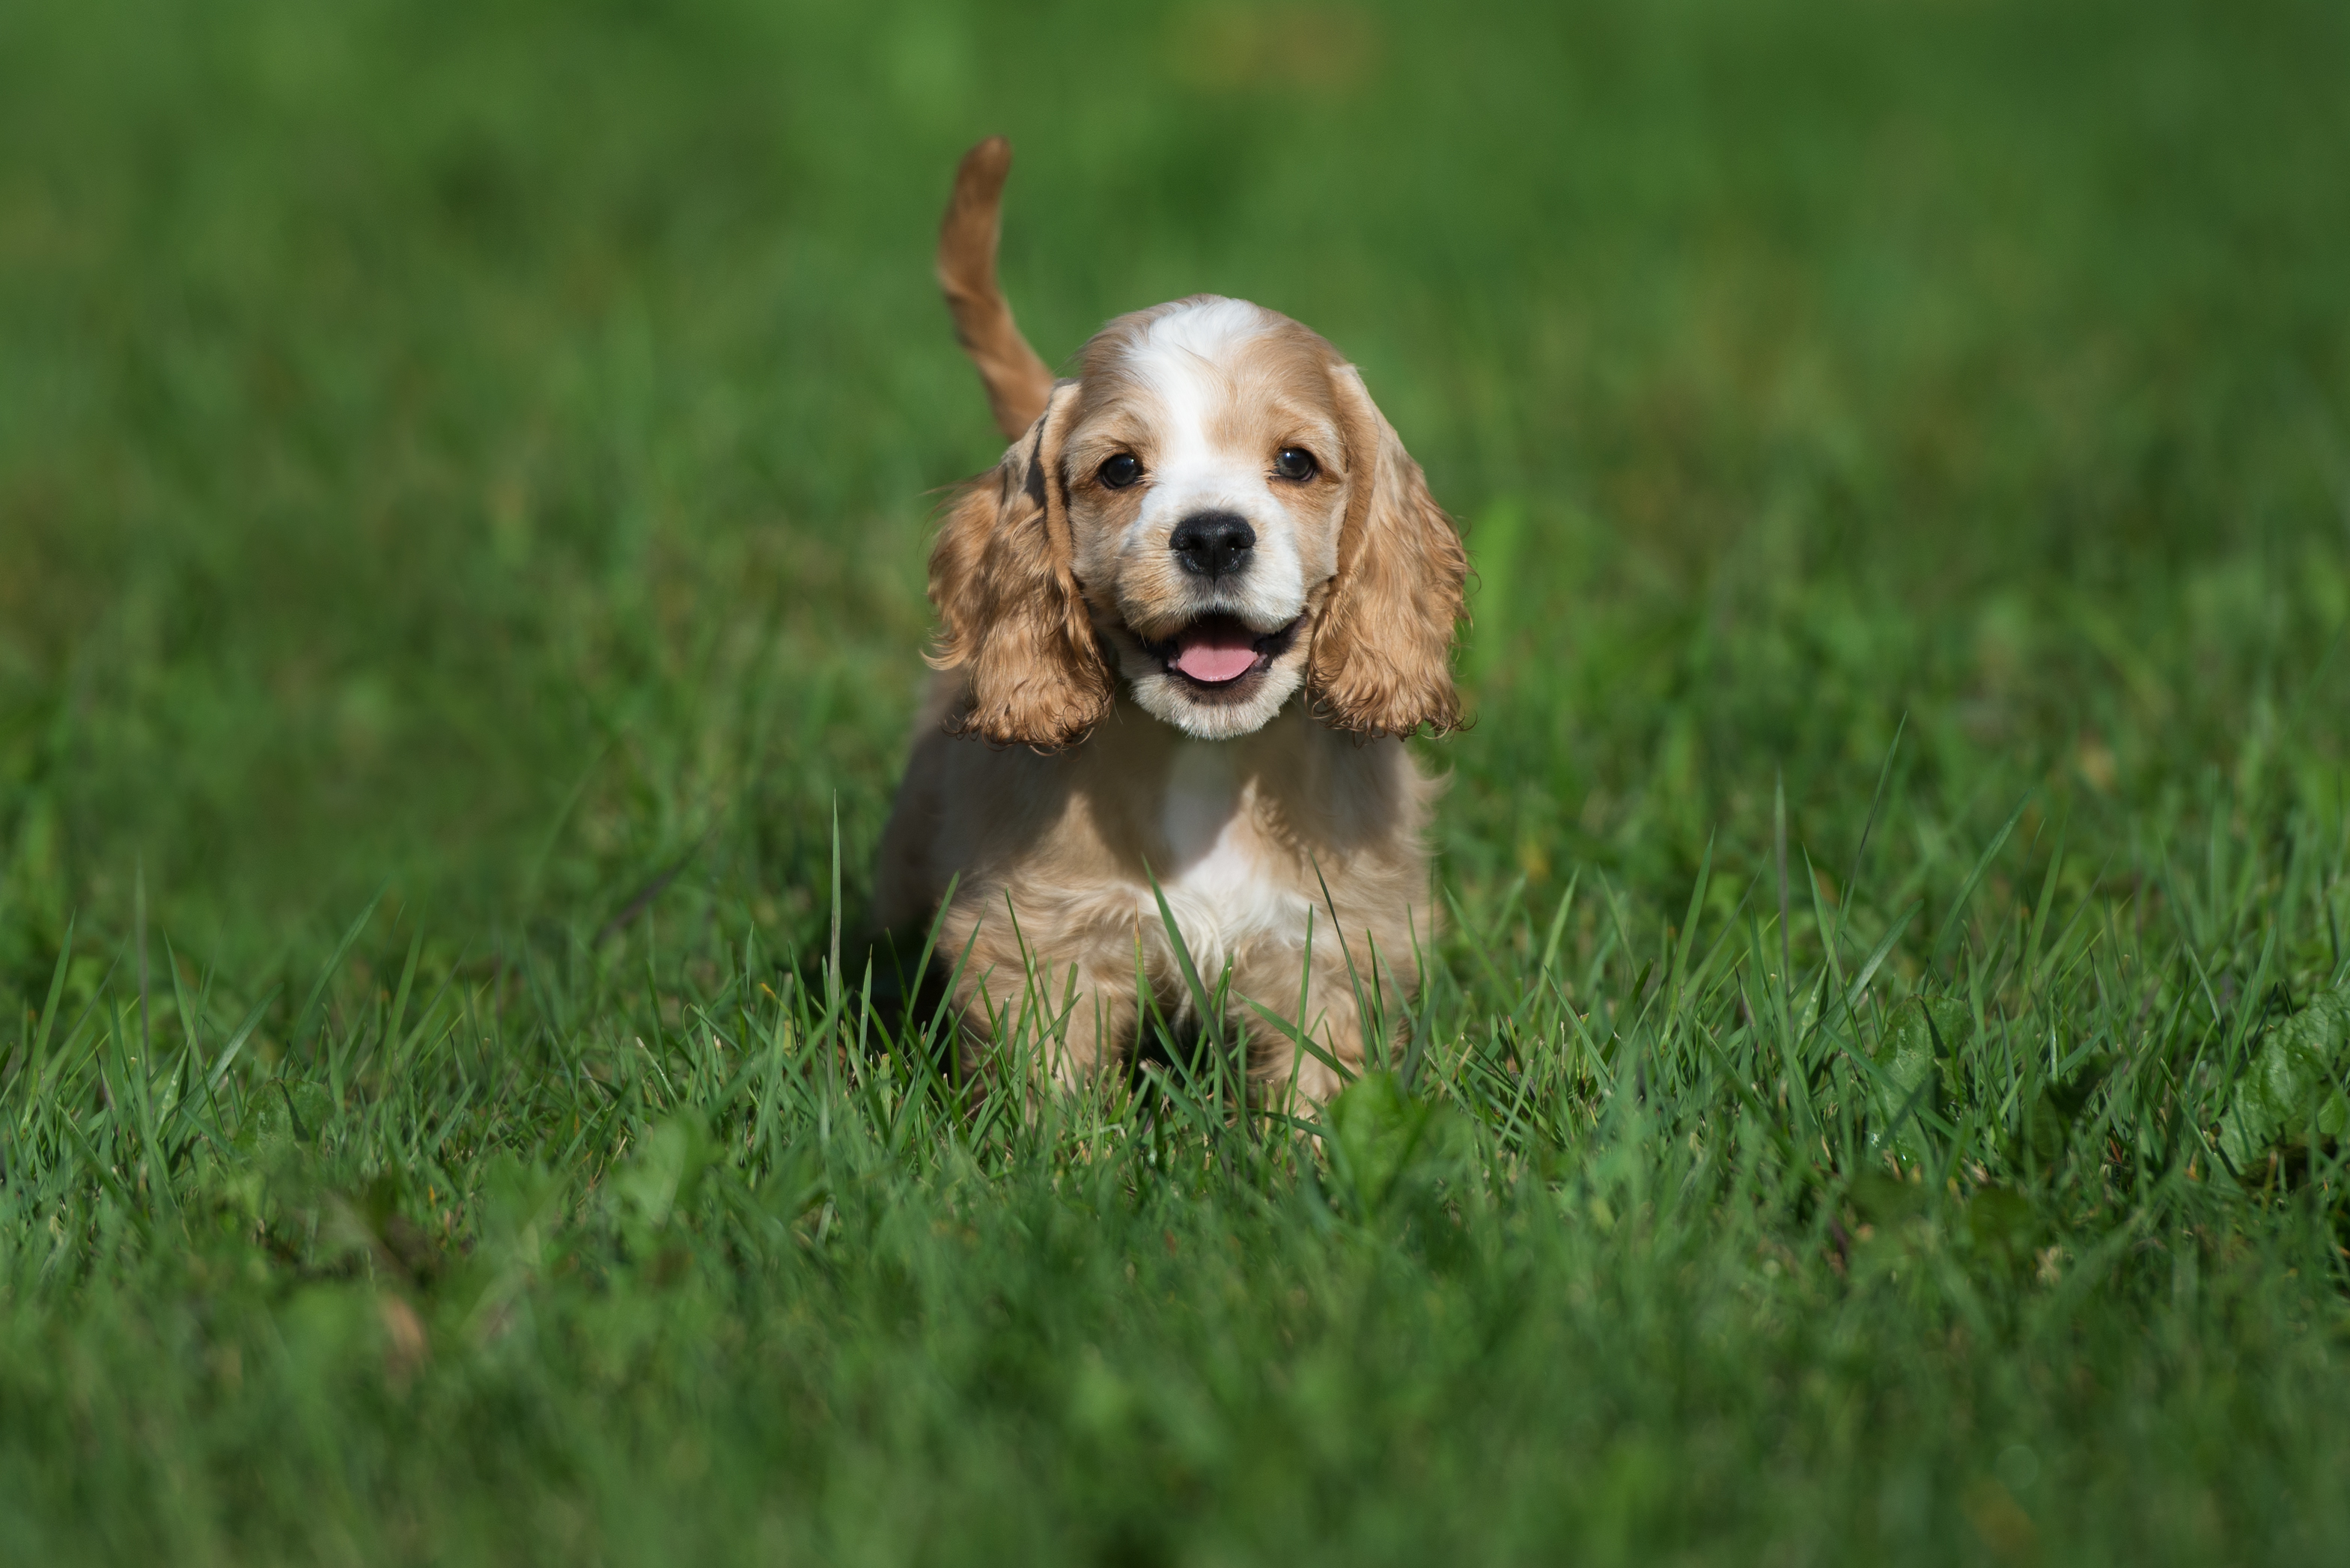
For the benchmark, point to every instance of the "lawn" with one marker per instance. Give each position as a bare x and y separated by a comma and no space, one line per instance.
465,472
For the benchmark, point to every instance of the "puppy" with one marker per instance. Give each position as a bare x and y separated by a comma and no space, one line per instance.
1185,624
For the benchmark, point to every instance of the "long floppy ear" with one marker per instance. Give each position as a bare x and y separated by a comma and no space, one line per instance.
1013,617
1382,655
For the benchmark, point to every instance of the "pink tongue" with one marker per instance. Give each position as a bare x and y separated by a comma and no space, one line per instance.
1215,655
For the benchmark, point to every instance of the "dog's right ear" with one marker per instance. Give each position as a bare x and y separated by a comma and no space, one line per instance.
1012,614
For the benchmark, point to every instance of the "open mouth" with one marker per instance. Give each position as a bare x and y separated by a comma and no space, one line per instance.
1218,653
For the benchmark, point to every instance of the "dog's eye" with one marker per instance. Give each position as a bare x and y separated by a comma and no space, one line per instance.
1121,471
1296,462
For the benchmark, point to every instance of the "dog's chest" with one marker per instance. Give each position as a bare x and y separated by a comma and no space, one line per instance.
1225,881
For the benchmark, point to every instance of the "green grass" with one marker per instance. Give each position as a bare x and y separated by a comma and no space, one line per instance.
465,477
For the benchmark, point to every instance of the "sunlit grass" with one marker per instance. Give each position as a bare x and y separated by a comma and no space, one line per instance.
1880,1087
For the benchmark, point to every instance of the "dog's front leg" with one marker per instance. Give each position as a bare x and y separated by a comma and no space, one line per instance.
1335,995
1073,1031
1062,999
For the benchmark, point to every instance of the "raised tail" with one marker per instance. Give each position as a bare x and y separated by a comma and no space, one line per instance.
1018,384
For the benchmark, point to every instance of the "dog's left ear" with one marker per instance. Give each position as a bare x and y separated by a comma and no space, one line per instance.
1013,617
1382,655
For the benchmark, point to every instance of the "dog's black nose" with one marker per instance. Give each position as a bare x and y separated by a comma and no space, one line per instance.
1211,543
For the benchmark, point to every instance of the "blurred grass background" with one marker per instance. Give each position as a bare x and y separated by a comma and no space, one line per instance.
492,447
486,453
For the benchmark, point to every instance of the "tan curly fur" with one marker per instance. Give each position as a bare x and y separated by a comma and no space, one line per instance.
1009,610
1223,734
1382,661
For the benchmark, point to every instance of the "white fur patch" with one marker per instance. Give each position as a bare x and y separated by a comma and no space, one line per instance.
1180,357
1222,889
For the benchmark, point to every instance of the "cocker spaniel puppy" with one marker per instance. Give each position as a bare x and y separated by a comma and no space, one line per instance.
1186,621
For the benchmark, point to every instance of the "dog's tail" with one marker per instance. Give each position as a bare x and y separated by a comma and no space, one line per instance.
1018,384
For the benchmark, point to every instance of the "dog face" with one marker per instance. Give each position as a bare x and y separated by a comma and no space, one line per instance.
1216,511
1207,487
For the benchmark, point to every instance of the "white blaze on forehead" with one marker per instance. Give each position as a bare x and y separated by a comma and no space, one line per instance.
1184,358
1207,330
